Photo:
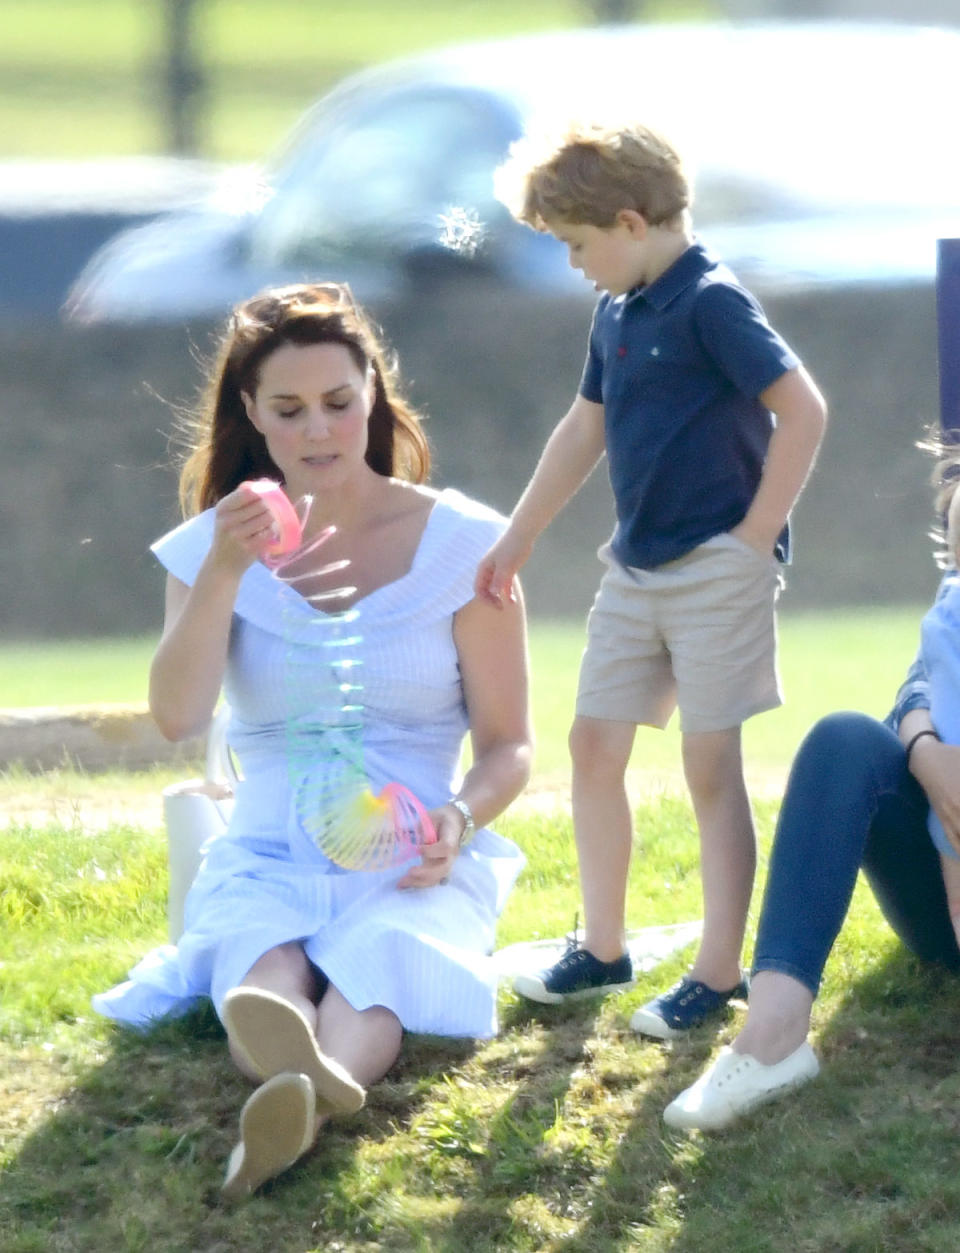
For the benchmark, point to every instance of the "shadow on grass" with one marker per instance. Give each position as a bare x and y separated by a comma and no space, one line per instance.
546,1138
535,1060
863,1159
133,1156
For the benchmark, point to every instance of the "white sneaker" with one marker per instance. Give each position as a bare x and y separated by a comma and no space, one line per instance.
735,1084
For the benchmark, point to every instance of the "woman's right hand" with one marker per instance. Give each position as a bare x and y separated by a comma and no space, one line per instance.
190,661
243,526
936,767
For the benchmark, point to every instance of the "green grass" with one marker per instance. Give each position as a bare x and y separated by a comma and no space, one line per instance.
835,659
546,1138
82,77
75,672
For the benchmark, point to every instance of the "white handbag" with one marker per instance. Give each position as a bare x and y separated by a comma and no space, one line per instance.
196,812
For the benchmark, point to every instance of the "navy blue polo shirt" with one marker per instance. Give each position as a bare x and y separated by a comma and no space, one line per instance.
678,366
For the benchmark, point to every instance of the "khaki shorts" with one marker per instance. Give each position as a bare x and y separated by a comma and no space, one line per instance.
698,634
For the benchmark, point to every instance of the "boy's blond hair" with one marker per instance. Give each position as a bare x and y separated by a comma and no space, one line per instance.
590,172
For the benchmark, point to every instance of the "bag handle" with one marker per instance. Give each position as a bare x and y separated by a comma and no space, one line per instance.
220,768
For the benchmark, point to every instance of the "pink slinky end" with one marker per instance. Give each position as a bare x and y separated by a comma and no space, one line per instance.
410,819
289,531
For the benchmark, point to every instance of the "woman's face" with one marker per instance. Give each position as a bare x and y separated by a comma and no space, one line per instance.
311,406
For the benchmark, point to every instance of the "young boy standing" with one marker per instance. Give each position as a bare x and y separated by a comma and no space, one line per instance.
682,380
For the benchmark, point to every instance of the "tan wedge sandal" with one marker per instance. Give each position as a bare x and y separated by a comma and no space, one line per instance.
274,1037
278,1124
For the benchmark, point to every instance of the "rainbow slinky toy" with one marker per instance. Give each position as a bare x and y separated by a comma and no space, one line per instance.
335,806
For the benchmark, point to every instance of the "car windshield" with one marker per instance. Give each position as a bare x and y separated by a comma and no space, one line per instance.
391,174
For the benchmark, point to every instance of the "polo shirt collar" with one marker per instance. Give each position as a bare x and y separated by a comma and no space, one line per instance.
688,269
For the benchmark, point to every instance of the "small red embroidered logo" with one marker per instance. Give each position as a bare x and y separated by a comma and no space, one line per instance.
622,351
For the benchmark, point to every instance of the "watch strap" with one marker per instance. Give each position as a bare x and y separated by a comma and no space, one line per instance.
469,826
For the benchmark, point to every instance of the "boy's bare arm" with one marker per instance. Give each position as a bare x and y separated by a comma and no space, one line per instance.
573,449
801,418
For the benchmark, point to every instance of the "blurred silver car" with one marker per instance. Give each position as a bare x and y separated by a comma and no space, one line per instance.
824,153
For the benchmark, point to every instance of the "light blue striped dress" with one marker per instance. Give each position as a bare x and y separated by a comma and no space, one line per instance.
422,953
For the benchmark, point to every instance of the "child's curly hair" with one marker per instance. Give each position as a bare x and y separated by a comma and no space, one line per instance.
589,172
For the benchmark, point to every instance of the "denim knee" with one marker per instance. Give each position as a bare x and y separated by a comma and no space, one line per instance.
848,750
846,733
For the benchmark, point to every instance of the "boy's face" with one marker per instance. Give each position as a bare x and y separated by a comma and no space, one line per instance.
614,258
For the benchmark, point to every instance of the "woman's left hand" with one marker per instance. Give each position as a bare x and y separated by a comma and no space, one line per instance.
437,859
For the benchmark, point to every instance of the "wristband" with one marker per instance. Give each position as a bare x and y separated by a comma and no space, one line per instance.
919,736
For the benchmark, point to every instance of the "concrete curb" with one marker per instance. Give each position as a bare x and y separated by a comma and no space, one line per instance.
88,737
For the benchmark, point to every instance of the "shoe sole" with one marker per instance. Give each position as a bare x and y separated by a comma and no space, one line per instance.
273,1037
655,1027
533,989
278,1124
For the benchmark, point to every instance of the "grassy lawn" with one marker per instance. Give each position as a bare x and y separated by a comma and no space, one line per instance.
850,659
82,77
546,1138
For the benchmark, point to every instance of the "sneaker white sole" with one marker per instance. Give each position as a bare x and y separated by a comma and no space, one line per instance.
533,989
735,1085
644,1022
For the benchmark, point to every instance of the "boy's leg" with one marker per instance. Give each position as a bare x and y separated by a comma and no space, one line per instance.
713,768
625,679
719,625
714,774
604,835
728,857
603,827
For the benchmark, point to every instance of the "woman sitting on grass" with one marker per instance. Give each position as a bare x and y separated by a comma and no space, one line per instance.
316,970
861,793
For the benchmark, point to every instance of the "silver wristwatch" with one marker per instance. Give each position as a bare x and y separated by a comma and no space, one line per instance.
469,826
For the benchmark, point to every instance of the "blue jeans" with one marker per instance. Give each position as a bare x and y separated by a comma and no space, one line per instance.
850,803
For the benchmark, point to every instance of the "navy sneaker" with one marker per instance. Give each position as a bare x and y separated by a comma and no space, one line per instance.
577,974
686,1005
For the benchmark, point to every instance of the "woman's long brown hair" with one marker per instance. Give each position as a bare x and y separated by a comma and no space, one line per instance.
226,448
